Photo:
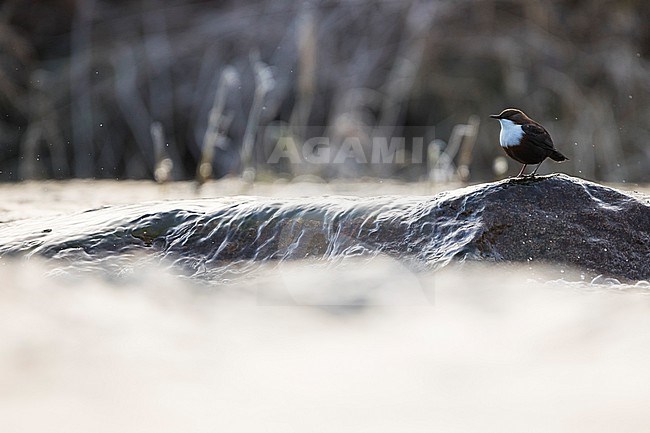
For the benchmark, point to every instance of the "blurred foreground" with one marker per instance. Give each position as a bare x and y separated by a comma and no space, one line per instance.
294,349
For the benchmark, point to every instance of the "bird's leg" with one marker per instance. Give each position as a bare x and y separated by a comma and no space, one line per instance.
535,171
522,170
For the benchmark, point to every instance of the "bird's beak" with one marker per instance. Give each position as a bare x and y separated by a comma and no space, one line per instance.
495,116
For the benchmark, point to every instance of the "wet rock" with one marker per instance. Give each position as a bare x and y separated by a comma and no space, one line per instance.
561,219
556,219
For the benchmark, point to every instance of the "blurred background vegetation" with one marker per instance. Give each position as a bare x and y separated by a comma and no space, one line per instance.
176,89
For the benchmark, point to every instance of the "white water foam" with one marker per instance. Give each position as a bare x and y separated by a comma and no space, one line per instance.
306,346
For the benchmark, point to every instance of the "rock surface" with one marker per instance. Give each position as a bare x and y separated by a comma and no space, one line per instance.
556,219
562,219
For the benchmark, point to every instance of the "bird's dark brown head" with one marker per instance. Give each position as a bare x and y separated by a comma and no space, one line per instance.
512,114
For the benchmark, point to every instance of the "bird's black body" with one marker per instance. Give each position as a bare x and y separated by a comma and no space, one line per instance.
531,144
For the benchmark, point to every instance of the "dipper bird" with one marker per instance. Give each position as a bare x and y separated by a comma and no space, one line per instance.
525,140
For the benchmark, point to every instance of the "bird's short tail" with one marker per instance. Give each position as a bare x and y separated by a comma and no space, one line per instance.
557,156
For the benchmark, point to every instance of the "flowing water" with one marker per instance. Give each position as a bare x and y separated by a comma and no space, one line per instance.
127,307
215,236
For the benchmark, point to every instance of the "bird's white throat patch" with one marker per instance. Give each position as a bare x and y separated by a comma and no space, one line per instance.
511,133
